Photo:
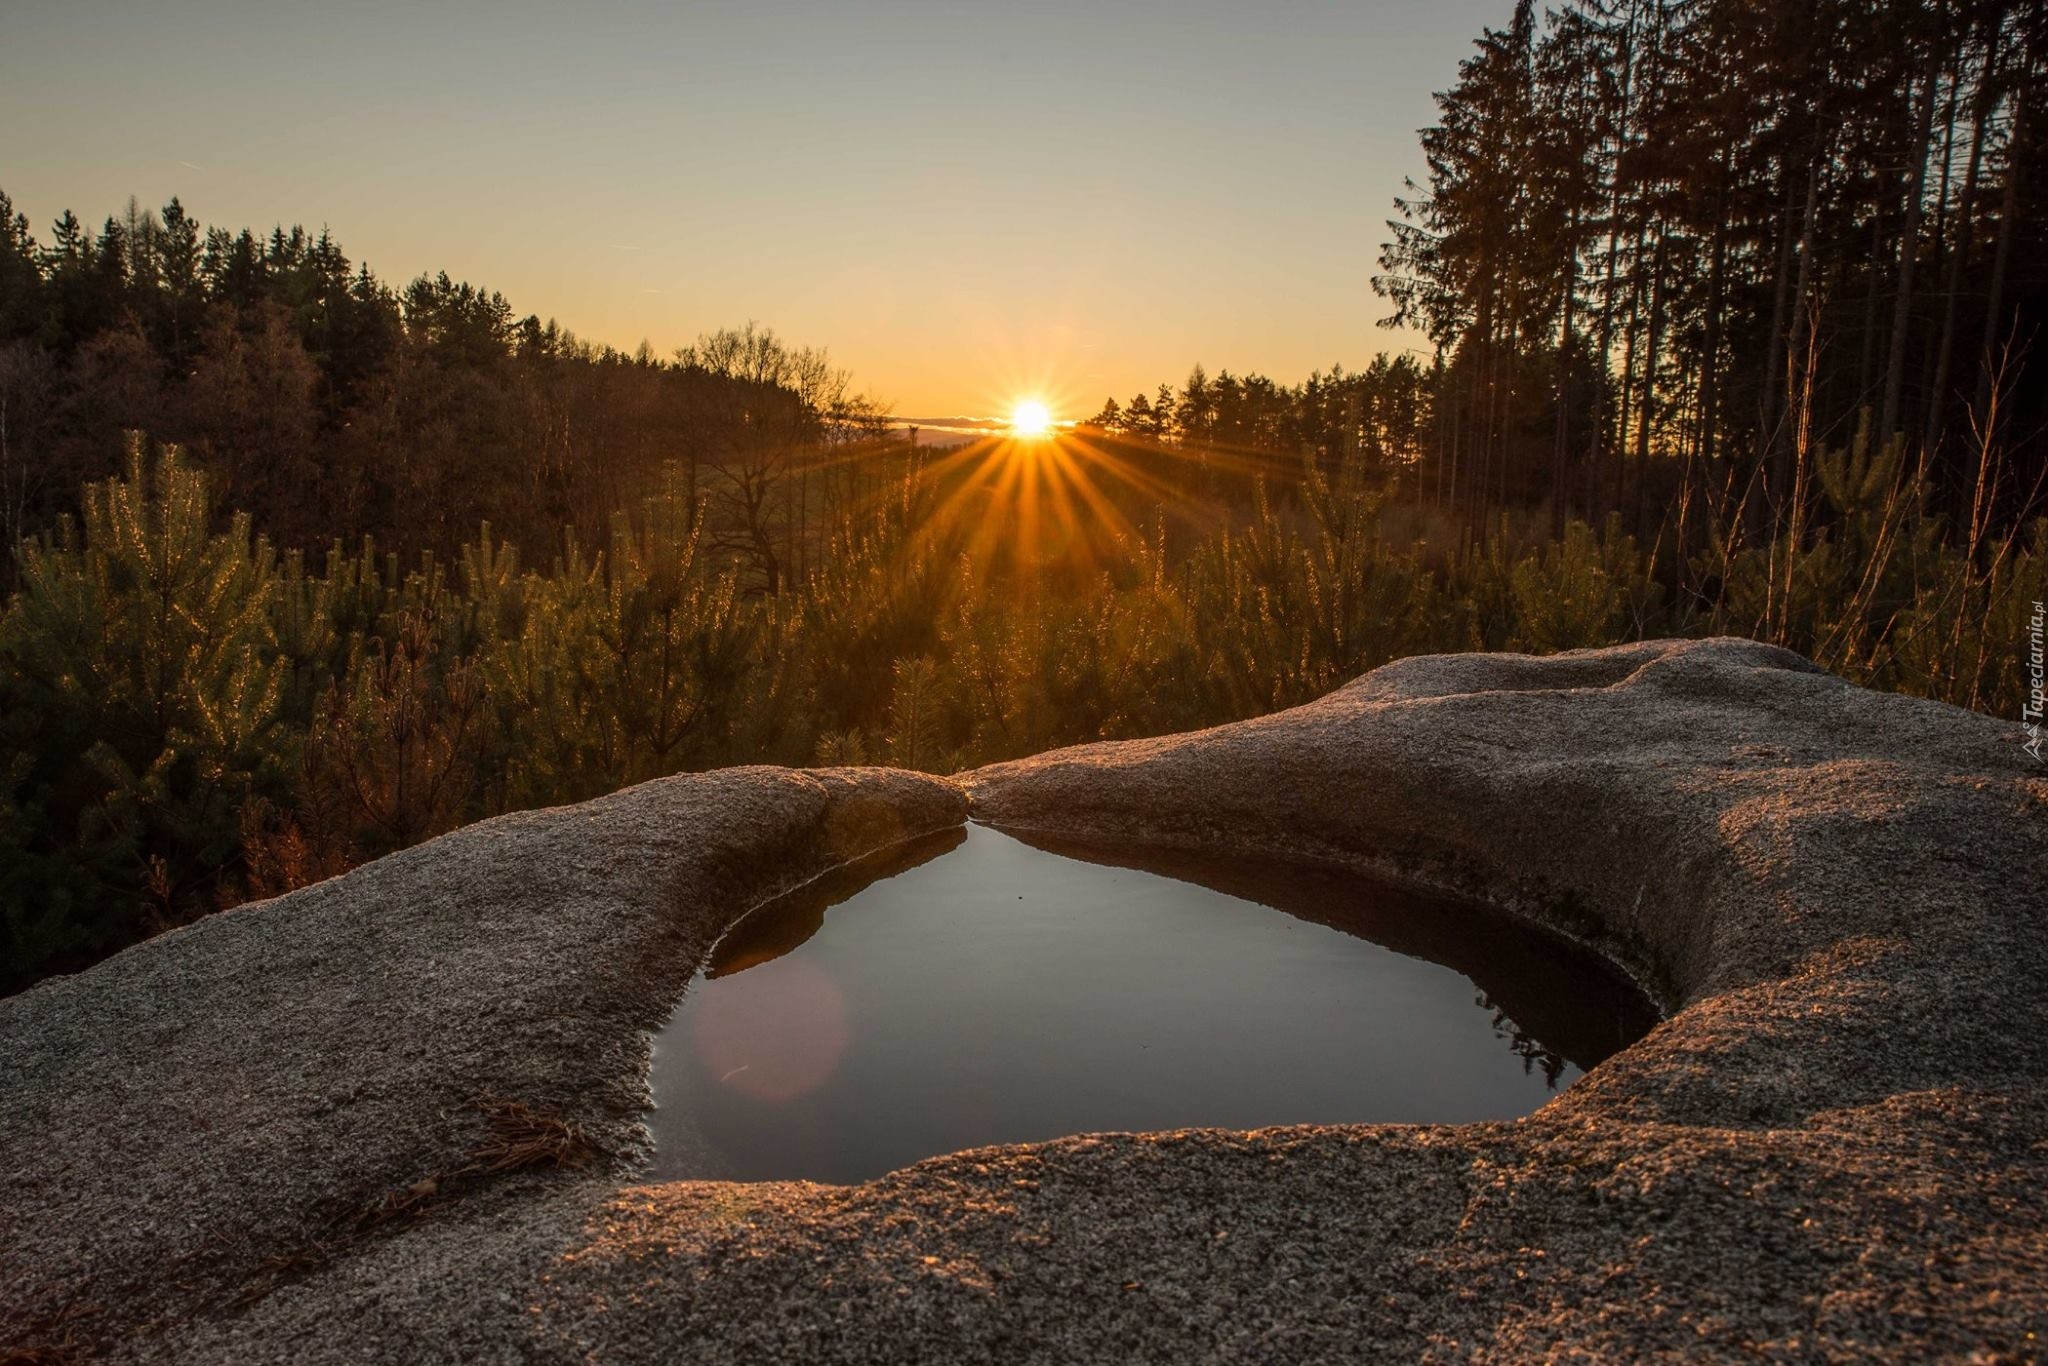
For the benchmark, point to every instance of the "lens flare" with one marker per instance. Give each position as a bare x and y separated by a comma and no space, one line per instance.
782,1041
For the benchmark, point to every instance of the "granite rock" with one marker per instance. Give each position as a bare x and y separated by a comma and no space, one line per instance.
1834,1146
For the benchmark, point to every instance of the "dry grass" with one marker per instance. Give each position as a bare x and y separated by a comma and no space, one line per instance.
525,1139
51,1339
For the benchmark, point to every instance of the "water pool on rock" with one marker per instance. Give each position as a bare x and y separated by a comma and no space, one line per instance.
971,988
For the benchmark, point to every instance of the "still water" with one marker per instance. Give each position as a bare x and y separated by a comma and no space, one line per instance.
972,988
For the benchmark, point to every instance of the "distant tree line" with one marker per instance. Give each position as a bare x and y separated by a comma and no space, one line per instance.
1376,419
332,407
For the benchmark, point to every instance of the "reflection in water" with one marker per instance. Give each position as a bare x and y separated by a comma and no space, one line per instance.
785,923
972,988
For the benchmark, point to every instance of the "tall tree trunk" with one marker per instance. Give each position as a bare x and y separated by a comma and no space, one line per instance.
1802,290
1768,411
1454,412
1937,401
1479,444
1865,384
2001,262
1647,413
1909,250
803,520
1596,455
1597,502
1561,437
1710,368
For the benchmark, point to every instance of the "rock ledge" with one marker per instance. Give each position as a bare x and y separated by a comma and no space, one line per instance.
257,1138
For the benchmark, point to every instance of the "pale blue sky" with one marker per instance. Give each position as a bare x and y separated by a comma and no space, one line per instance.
960,200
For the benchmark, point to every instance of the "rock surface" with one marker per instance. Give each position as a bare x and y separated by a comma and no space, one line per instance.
275,1135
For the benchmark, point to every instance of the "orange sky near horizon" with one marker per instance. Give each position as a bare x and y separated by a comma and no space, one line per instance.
964,203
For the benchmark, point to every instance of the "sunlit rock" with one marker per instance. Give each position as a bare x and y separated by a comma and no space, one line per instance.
398,1115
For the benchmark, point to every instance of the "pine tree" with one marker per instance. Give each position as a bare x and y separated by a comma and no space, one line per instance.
177,270
140,666
21,276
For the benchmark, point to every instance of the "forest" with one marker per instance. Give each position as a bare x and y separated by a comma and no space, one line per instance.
1733,313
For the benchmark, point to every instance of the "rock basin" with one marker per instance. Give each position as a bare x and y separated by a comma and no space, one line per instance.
971,988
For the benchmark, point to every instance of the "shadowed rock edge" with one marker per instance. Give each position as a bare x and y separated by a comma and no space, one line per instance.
1833,1146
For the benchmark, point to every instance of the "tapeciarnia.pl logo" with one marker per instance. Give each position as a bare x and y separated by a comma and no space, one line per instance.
2030,711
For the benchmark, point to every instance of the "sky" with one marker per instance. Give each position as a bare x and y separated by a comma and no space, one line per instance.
963,202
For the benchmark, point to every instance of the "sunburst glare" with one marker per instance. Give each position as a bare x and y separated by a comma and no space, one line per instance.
1030,418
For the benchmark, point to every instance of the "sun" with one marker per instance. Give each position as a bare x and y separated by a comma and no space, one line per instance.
1030,418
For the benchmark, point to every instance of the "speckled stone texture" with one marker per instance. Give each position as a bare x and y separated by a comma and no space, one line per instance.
1837,1145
